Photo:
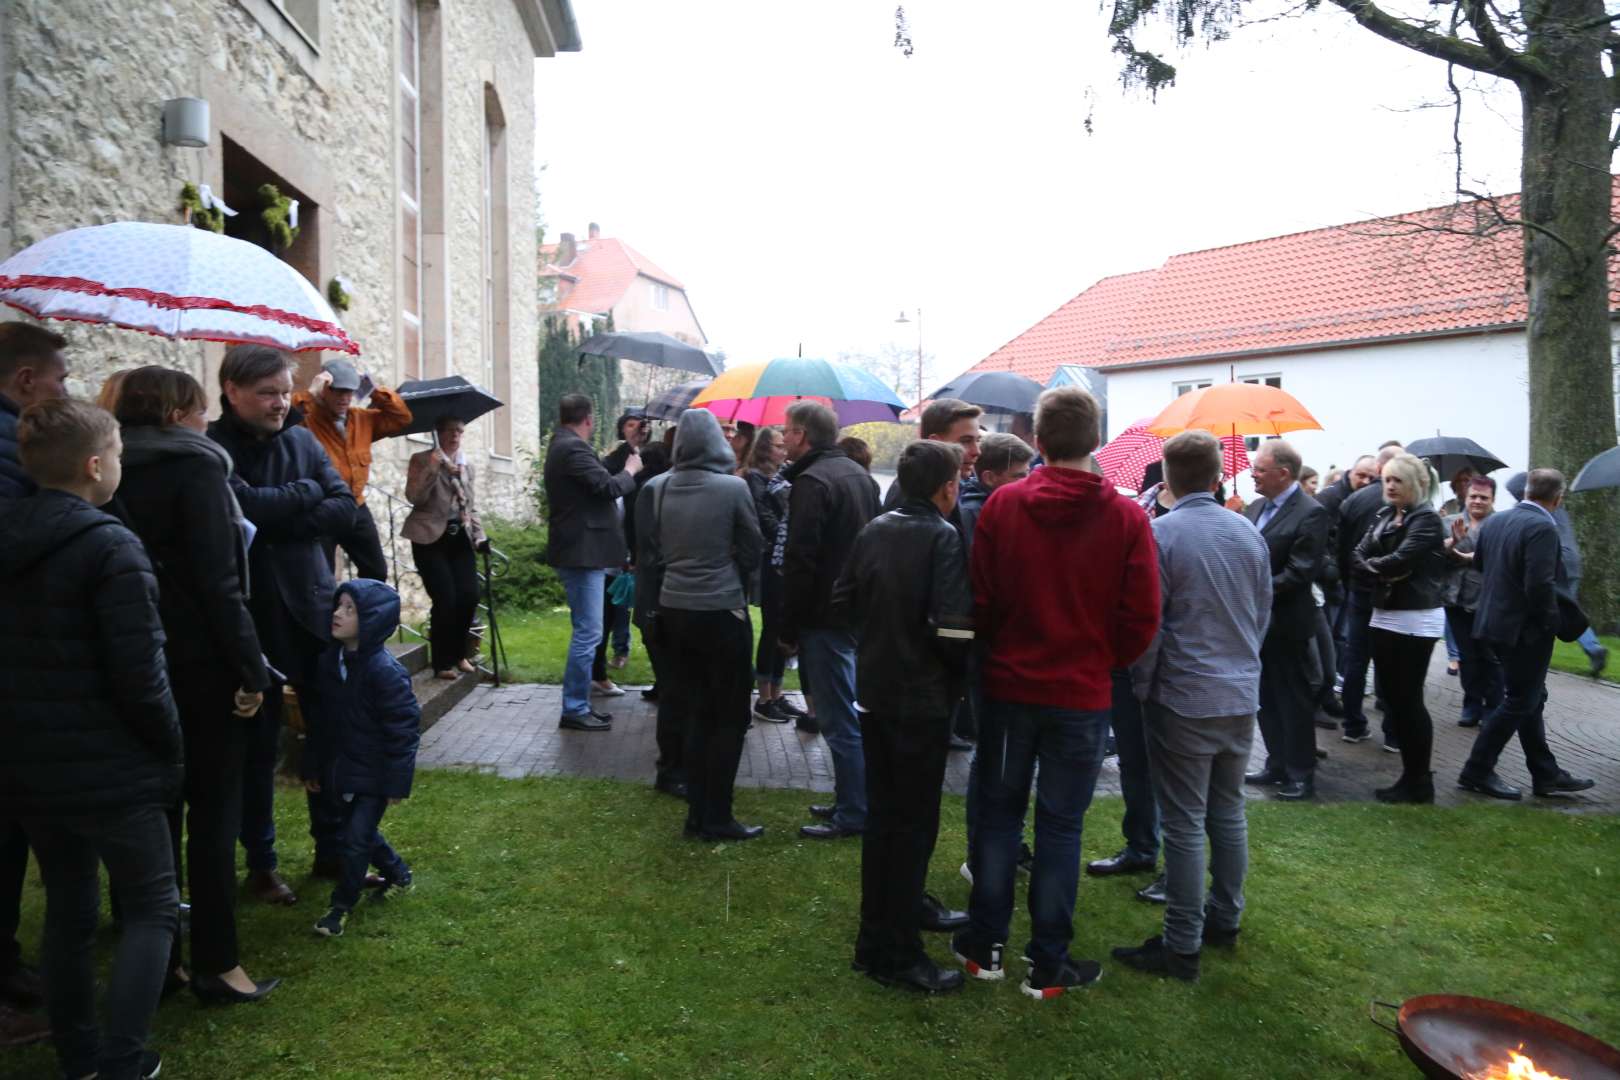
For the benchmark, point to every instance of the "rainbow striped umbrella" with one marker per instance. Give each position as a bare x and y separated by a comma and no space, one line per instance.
761,393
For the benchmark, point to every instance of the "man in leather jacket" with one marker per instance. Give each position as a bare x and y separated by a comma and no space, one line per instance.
905,593
293,497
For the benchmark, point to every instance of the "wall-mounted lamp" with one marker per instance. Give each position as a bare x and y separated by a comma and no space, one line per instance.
185,122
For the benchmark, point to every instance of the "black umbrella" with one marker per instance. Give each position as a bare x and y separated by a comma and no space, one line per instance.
672,402
657,349
432,400
1450,454
998,391
1602,471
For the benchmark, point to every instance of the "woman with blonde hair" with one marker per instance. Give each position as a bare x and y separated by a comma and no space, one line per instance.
1403,555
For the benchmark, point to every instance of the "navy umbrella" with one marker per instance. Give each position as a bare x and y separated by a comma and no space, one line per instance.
1450,454
654,348
997,391
1602,471
672,402
432,400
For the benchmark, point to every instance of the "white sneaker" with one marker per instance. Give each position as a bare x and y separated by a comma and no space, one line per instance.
967,874
606,688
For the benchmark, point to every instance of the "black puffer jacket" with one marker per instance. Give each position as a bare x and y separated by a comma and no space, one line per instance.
290,492
87,722
1406,563
14,483
906,595
832,500
175,496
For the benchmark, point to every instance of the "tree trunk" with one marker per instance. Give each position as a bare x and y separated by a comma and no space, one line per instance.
1567,193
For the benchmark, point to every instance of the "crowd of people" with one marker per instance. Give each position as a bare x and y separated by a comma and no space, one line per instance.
166,593
169,593
1002,598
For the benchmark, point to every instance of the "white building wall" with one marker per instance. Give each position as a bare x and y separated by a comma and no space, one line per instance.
1476,386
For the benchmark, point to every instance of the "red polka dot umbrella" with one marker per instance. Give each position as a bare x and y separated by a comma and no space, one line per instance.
172,280
1128,454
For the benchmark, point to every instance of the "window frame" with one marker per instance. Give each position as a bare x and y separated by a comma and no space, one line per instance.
409,86
1182,387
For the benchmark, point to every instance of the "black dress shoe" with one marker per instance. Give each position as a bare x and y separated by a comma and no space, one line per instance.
676,788
1154,892
826,831
939,919
602,716
732,830
1321,754
1154,958
213,990
1297,790
1263,778
690,829
1326,722
1468,721
1123,861
1492,785
1333,707
822,812
586,721
1563,785
925,976
1219,937
808,724
650,694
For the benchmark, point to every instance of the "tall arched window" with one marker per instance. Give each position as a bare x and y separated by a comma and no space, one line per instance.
497,336
410,191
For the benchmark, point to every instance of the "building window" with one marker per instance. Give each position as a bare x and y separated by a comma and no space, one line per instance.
660,297
1189,387
497,286
410,187
305,15
1263,380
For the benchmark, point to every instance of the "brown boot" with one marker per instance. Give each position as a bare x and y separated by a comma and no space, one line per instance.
267,885
20,1028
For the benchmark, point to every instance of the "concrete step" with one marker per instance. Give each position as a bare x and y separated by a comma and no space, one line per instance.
411,653
438,696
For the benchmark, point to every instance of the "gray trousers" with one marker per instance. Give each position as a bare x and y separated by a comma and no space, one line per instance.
1198,767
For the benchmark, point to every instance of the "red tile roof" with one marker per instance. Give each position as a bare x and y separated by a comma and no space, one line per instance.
602,272
1362,282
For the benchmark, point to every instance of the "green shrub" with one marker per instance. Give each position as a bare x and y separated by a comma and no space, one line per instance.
528,584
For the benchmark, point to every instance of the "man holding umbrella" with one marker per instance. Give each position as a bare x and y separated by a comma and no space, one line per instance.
346,433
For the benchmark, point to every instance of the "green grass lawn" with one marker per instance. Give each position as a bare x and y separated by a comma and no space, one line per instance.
537,647
1567,656
563,928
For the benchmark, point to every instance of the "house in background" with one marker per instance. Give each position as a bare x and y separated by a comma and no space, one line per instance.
587,280
1392,328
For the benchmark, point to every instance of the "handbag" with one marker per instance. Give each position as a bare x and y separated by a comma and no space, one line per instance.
652,626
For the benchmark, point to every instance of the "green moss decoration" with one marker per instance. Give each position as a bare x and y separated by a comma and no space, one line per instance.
335,294
210,218
273,211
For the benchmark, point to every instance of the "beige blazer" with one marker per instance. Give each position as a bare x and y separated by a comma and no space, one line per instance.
431,491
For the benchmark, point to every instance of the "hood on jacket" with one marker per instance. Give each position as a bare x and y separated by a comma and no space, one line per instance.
700,444
378,607
39,526
145,444
1064,496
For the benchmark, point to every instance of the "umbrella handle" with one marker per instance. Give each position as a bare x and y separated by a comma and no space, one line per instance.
1373,1016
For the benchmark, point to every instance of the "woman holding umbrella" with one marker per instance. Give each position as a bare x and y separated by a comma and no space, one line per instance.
444,531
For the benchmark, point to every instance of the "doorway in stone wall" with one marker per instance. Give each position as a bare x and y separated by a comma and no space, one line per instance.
245,175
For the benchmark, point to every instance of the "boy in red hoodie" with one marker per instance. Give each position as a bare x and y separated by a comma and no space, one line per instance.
1066,589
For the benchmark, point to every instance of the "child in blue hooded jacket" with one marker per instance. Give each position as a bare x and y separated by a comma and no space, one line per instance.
361,753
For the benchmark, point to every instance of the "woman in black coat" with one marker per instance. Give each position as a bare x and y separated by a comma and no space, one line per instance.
1403,555
175,496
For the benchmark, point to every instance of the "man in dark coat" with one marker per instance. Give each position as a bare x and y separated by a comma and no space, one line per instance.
33,368
832,500
905,591
293,497
1295,529
1518,557
1356,514
92,739
584,539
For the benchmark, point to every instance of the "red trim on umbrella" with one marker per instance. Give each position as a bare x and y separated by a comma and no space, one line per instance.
177,303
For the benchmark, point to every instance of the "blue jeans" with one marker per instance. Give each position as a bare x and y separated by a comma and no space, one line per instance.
1452,652
1589,642
827,660
360,845
1068,745
1141,823
1357,651
584,589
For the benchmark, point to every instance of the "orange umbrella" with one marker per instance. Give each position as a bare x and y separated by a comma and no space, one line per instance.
1235,408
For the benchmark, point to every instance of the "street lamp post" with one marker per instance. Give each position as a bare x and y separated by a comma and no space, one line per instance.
903,319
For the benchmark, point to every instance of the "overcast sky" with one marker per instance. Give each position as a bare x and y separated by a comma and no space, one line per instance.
806,181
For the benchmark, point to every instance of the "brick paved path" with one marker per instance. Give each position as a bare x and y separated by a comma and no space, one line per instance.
512,731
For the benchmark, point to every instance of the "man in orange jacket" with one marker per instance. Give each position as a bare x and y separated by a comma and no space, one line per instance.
346,434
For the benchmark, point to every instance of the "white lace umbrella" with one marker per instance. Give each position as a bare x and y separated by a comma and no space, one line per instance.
173,280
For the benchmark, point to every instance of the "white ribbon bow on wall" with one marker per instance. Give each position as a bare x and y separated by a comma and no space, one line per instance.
210,201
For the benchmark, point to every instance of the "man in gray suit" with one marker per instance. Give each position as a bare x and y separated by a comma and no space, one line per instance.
1295,529
583,540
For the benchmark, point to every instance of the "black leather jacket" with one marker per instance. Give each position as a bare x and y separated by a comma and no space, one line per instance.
905,593
1406,562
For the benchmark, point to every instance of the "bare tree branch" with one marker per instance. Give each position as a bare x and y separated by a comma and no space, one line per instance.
1423,39
1591,23
1480,20
1456,124
1519,223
